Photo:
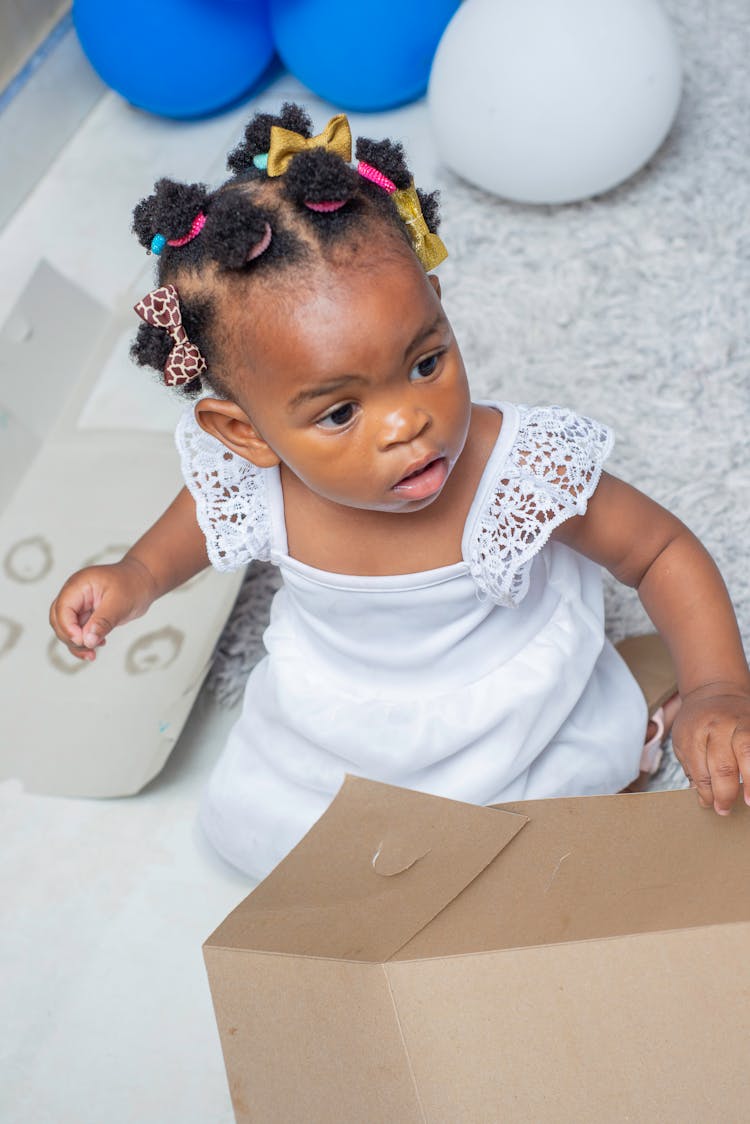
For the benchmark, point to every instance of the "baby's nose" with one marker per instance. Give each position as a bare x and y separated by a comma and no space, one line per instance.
402,425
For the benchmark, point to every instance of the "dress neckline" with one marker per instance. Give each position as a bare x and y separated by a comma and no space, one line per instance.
417,579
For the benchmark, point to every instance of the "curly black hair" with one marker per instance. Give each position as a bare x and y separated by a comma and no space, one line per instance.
255,225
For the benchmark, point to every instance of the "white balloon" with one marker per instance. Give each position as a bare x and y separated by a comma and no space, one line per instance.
550,101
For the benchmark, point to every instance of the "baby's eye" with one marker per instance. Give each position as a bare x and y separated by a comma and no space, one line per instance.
338,417
424,368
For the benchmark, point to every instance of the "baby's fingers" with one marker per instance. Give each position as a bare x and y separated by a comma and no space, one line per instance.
691,751
76,619
711,739
741,747
64,621
67,620
724,770
65,625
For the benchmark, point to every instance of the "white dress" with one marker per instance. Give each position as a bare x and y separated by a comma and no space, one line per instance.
485,681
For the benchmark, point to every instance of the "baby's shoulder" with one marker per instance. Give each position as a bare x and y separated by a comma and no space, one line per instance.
544,432
550,443
232,502
545,465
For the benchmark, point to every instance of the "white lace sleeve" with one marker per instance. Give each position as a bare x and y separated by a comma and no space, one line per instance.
549,475
231,500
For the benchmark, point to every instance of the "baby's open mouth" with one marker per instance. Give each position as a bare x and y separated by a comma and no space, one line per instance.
424,481
417,472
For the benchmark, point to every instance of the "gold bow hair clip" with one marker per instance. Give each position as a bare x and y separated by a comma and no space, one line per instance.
428,247
336,137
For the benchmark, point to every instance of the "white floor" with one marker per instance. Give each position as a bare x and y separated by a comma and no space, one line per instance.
106,1014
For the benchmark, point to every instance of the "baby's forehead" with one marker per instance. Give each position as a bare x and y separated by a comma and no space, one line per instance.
357,322
348,283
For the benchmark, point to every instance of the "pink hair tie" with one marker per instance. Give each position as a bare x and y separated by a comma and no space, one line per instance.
198,223
325,207
369,173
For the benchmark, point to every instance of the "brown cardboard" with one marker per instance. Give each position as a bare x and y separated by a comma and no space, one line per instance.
652,667
88,486
552,960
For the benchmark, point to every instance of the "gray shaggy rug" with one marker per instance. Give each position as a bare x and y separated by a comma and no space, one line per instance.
633,307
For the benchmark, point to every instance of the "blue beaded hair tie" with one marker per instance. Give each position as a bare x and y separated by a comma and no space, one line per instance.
158,242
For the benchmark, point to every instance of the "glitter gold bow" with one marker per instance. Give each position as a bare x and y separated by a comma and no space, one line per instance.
161,307
336,137
427,246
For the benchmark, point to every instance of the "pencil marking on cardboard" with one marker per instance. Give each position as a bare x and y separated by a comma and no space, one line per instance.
29,560
154,651
62,660
10,634
109,554
556,871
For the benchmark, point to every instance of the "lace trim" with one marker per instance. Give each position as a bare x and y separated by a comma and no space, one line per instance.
231,500
550,473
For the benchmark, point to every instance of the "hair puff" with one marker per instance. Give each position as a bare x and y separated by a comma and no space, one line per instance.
258,135
387,156
170,210
429,201
319,176
151,346
234,225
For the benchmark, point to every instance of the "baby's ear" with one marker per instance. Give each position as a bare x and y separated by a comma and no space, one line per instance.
435,282
228,423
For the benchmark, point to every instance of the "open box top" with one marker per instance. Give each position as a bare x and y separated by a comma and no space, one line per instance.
421,960
389,874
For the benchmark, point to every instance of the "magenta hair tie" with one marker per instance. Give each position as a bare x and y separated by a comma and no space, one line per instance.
369,173
324,208
198,223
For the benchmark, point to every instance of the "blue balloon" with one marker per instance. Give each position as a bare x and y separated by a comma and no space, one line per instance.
361,56
177,58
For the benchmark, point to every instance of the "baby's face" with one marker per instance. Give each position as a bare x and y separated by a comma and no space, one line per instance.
357,384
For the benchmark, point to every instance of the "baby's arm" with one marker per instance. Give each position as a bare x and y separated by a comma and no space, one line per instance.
647,547
94,600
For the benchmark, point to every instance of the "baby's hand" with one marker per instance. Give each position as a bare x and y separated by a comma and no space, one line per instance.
711,739
93,601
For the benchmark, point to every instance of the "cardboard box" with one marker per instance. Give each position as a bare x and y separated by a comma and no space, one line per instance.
87,463
416,959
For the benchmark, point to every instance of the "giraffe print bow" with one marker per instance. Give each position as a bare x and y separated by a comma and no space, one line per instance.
161,307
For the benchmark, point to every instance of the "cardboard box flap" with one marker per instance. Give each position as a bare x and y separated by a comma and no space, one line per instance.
53,327
376,868
597,867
